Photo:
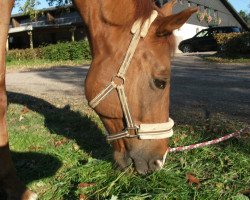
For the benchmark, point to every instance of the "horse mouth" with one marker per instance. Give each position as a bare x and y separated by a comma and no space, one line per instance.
140,165
144,167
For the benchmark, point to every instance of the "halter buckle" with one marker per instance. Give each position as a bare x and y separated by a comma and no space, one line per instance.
135,129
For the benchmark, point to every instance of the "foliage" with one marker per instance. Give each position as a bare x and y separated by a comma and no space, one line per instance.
59,2
30,6
237,43
244,15
54,52
222,38
36,64
24,54
67,51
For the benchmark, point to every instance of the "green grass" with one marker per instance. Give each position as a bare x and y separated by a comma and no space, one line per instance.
23,65
225,58
57,148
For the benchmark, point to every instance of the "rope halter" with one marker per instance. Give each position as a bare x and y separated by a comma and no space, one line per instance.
141,131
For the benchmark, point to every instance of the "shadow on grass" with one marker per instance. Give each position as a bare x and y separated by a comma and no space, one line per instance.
68,123
60,121
33,166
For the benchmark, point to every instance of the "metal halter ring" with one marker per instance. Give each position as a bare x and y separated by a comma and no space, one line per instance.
118,80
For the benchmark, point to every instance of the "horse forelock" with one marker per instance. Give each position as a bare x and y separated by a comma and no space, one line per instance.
143,10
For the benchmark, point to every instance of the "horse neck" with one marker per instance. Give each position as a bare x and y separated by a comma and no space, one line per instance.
108,45
102,36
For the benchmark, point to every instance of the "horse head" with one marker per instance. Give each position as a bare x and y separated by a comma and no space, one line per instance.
128,83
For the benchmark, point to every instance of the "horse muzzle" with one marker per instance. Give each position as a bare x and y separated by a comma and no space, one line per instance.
148,165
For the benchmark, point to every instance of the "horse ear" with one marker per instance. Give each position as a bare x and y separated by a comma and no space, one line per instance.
117,12
172,22
168,7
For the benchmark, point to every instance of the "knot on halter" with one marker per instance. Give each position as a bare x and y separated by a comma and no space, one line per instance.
142,131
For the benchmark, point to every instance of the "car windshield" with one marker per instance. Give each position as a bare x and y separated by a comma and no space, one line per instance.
202,34
235,29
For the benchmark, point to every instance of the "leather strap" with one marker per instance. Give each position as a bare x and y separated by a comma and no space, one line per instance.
147,131
102,95
125,108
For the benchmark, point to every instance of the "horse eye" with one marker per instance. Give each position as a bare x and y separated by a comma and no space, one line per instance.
161,84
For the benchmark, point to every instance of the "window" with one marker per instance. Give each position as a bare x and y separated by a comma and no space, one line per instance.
202,34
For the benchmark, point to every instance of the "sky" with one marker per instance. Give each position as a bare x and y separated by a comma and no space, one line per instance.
241,5
237,4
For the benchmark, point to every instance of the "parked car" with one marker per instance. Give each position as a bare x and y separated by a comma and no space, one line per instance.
204,40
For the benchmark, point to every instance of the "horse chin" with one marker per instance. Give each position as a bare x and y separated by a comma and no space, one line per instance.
147,163
144,167
141,165
122,159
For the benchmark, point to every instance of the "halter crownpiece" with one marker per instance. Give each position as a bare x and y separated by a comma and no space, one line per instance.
142,131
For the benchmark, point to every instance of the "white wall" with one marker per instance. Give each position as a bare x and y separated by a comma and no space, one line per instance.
185,32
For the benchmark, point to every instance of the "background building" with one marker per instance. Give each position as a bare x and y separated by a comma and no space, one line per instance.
211,13
50,26
64,23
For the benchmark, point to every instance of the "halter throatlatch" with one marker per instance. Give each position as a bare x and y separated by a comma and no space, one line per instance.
142,131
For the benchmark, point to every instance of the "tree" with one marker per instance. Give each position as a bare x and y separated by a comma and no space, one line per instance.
29,6
59,2
245,16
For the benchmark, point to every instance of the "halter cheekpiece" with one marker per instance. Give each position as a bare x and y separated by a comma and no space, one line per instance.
142,131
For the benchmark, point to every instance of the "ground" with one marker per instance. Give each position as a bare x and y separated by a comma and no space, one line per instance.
198,88
203,88
59,148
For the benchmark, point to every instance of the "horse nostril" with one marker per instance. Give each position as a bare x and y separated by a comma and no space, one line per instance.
156,164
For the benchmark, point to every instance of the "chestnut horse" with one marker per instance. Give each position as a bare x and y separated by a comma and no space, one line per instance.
137,99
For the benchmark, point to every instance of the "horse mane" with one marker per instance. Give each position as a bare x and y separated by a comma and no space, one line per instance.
126,12
143,9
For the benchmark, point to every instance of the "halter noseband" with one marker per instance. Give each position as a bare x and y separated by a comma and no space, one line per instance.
142,131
